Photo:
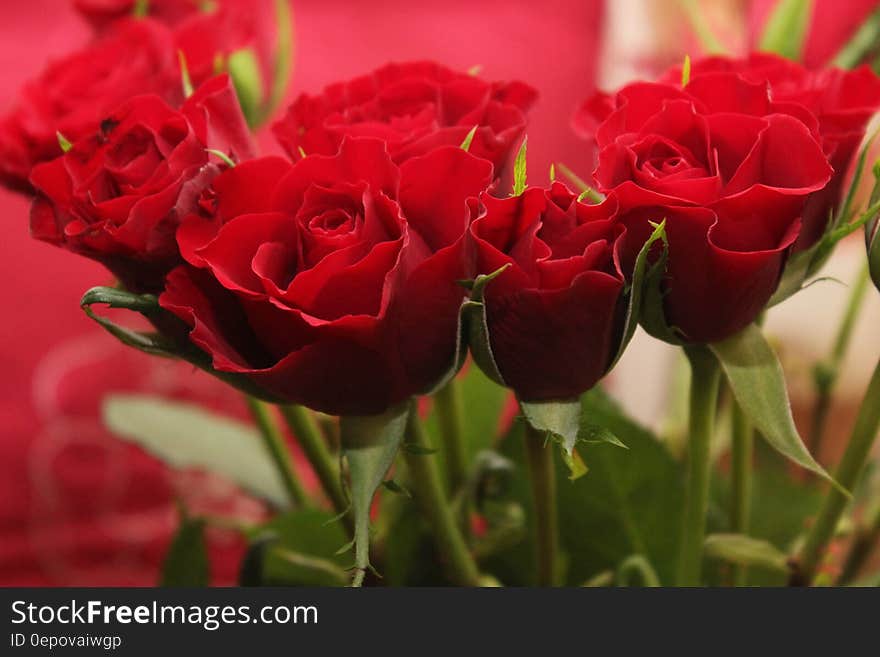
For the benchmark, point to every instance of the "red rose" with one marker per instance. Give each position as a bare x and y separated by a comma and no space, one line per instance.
731,169
553,316
118,194
332,282
843,103
414,107
101,13
73,94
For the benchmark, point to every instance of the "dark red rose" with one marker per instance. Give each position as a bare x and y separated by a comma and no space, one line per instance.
414,107
102,13
118,195
331,282
553,317
843,103
730,168
73,94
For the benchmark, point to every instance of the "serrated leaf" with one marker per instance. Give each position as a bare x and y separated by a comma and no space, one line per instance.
186,436
369,444
519,169
786,28
186,563
745,551
466,144
758,383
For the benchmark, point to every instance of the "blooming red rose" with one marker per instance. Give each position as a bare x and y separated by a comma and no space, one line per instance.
119,193
553,317
73,94
332,282
730,168
843,103
414,107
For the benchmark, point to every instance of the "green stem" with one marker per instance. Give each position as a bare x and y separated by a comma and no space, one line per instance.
431,497
847,475
825,374
863,545
451,420
277,448
743,444
705,379
542,476
310,438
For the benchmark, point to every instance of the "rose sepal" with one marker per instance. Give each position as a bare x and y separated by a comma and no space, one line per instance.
160,342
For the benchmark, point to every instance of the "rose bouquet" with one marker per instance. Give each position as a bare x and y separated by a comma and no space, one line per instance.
433,326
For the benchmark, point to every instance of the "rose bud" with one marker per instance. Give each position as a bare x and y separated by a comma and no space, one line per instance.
118,194
74,93
414,107
331,282
843,103
554,319
730,169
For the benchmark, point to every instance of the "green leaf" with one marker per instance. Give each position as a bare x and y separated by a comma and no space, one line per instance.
369,444
708,41
861,45
186,563
519,169
758,383
185,80
643,275
284,56
141,8
418,450
244,69
786,28
578,182
746,551
63,142
186,436
466,144
302,550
